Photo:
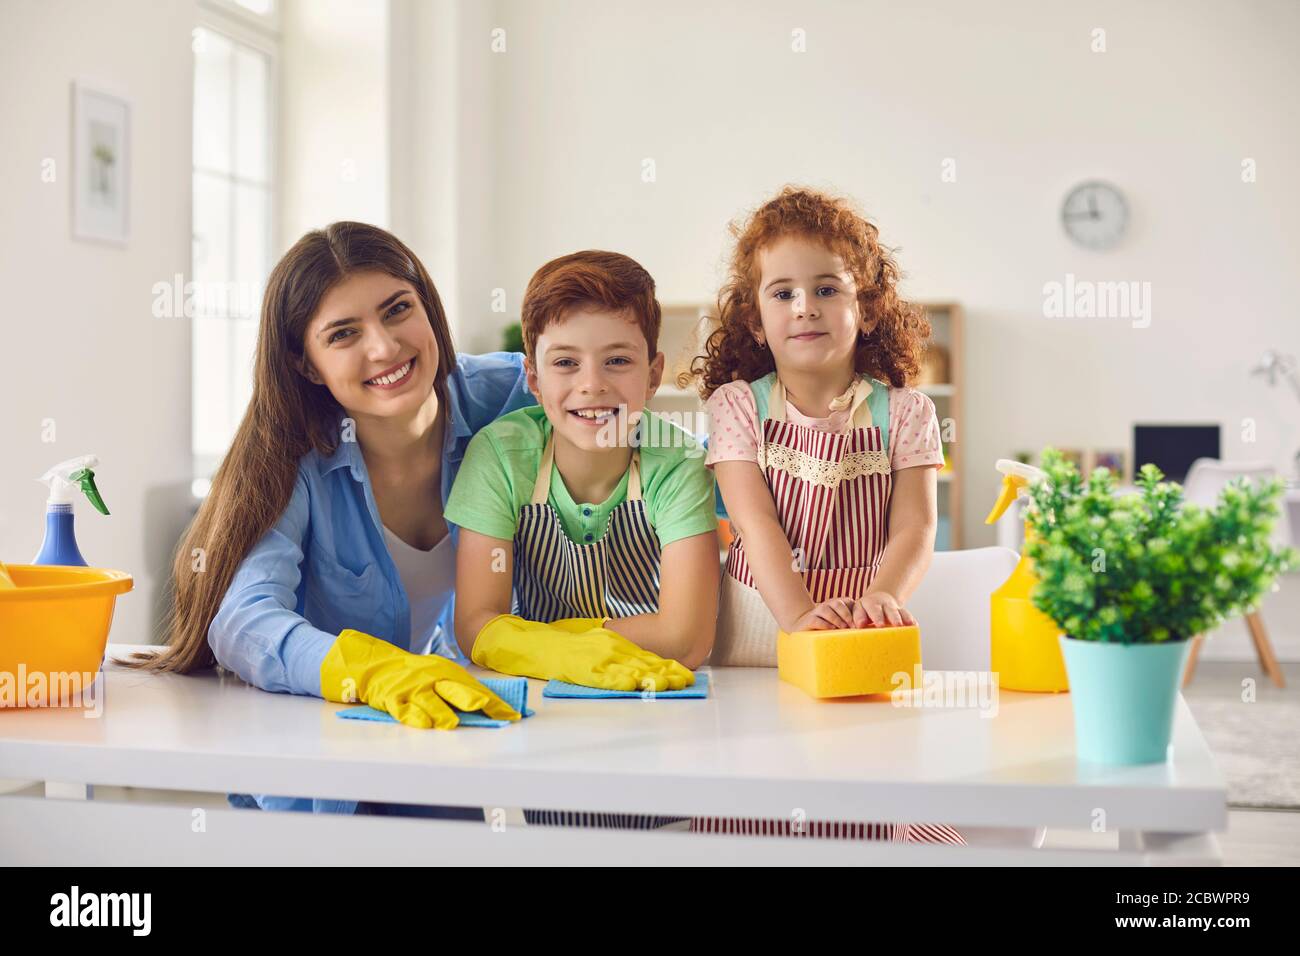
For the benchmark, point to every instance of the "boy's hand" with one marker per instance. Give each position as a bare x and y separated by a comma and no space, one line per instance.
880,609
592,657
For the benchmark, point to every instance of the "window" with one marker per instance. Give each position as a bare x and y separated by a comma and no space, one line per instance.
233,198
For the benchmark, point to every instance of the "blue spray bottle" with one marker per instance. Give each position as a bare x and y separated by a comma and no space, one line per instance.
65,480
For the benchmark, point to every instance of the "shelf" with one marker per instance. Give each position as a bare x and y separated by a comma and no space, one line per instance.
946,322
681,339
672,391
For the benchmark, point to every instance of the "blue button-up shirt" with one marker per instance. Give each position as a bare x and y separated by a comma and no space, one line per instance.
325,567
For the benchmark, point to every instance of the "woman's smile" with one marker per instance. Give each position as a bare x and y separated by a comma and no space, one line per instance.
393,378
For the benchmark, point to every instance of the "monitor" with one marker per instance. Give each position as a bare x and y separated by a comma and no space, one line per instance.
1173,448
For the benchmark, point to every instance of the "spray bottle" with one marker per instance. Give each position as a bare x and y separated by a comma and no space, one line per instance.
1025,651
64,480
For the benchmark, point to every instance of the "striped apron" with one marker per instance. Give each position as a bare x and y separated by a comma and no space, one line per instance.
832,498
556,578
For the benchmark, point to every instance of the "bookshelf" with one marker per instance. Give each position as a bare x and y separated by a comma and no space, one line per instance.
682,332
941,380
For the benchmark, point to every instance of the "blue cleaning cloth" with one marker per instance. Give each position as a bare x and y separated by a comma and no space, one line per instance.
513,690
559,688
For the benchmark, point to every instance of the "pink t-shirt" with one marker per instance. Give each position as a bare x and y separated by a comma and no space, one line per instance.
734,428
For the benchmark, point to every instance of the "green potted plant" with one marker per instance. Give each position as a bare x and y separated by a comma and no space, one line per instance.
512,338
1130,580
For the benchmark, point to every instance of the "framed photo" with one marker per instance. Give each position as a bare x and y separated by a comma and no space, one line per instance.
1113,458
101,164
1075,456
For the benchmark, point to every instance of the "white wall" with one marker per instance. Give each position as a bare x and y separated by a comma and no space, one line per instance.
444,154
333,116
80,344
885,92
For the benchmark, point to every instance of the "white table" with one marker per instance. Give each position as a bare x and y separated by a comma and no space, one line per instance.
757,747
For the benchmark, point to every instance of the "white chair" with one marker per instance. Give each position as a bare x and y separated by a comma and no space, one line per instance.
1205,479
951,605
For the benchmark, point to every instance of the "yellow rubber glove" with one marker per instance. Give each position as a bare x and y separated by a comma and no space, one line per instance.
578,625
592,657
414,688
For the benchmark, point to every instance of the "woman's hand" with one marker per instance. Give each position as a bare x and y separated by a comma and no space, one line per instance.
880,609
420,690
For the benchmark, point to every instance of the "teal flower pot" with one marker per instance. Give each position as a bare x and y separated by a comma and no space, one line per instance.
1123,697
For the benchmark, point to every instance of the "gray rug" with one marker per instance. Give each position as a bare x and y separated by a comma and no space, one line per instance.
1254,744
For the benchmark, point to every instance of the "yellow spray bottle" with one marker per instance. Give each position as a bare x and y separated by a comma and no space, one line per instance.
1025,651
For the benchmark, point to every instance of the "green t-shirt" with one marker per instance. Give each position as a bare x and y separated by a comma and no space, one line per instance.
500,468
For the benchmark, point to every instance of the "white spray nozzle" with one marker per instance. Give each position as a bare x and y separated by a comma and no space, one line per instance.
1016,476
1018,469
68,478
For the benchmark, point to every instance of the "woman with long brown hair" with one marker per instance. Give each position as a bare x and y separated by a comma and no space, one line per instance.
320,562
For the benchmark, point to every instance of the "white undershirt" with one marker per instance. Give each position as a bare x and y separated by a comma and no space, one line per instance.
429,578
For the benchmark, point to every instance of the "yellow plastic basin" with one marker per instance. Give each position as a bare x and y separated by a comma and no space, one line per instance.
54,623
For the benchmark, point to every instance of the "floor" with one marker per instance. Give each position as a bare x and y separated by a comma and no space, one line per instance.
1255,836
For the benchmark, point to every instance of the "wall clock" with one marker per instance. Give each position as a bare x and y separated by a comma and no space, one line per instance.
1095,215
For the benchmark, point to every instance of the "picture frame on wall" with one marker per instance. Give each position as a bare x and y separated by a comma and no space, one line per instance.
1077,456
101,164
1115,459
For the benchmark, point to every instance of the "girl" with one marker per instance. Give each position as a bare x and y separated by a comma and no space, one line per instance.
327,512
825,459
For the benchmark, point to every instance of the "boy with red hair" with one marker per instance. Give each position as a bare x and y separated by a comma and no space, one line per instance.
587,548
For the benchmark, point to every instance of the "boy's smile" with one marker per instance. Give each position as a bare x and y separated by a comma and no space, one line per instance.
596,415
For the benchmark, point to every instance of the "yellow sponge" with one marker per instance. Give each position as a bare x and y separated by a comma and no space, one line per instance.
849,662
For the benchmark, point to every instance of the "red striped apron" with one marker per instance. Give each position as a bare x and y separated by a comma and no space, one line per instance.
832,498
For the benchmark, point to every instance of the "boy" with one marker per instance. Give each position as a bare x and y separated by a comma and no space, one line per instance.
594,515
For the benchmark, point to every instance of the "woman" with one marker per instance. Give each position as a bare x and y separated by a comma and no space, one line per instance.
327,512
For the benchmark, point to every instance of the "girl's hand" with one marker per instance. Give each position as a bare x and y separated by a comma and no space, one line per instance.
832,615
880,609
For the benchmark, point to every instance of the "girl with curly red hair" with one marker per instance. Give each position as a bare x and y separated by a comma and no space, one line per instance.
825,458
823,454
